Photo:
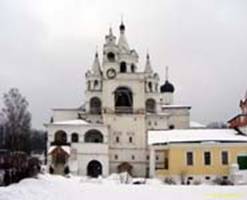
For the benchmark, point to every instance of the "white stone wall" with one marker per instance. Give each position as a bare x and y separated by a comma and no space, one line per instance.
64,115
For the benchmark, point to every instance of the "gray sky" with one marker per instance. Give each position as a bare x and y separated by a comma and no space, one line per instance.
47,45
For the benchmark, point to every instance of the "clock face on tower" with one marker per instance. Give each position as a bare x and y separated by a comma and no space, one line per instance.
111,73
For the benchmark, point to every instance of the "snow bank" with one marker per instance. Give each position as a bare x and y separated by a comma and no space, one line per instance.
48,187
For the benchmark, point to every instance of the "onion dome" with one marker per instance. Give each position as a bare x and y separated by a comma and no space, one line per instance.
167,87
122,27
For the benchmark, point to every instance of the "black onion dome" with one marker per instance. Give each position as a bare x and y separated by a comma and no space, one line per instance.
122,27
167,87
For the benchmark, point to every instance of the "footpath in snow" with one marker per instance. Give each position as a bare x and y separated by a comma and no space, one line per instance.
48,187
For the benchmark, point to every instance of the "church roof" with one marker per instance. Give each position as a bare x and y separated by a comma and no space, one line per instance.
194,136
148,66
167,87
96,65
72,122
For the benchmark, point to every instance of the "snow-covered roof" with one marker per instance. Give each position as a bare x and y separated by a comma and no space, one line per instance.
65,148
175,106
194,135
194,124
72,122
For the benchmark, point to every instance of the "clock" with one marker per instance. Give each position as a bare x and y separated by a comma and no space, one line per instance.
111,73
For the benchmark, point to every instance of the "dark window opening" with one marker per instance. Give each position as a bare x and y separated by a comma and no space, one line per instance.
95,105
123,67
132,68
111,57
123,100
117,139
189,158
130,139
151,106
93,136
96,83
133,157
150,87
116,157
224,157
166,163
207,158
94,169
60,138
74,138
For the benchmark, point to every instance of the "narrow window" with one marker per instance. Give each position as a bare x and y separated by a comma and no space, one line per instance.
150,87
123,67
116,157
130,139
166,164
96,83
133,157
224,158
132,68
207,158
117,139
189,158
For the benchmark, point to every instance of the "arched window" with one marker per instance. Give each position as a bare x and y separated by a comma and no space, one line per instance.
95,105
123,67
150,86
60,137
74,137
93,136
151,106
123,100
111,57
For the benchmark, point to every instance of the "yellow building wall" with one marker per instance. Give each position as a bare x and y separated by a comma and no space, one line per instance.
177,159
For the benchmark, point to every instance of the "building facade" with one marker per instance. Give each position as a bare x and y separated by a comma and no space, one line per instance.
199,155
108,133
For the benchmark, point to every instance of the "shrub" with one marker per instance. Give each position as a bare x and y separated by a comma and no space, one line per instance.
170,181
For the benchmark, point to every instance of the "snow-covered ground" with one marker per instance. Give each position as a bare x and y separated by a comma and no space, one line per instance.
48,187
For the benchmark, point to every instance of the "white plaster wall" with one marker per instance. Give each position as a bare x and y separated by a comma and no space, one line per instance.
64,115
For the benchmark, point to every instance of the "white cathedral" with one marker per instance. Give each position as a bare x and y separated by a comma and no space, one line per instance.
108,133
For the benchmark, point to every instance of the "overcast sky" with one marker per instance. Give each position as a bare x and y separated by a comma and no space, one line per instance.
47,45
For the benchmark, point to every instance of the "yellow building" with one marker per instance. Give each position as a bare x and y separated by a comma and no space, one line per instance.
197,154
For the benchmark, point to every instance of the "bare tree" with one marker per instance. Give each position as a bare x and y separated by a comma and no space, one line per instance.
18,121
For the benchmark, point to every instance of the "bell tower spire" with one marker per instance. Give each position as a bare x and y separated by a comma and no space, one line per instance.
148,66
122,42
96,64
167,73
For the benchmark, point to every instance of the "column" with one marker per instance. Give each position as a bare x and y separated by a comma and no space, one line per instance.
151,162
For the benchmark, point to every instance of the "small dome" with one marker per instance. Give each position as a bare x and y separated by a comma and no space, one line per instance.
167,87
122,27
